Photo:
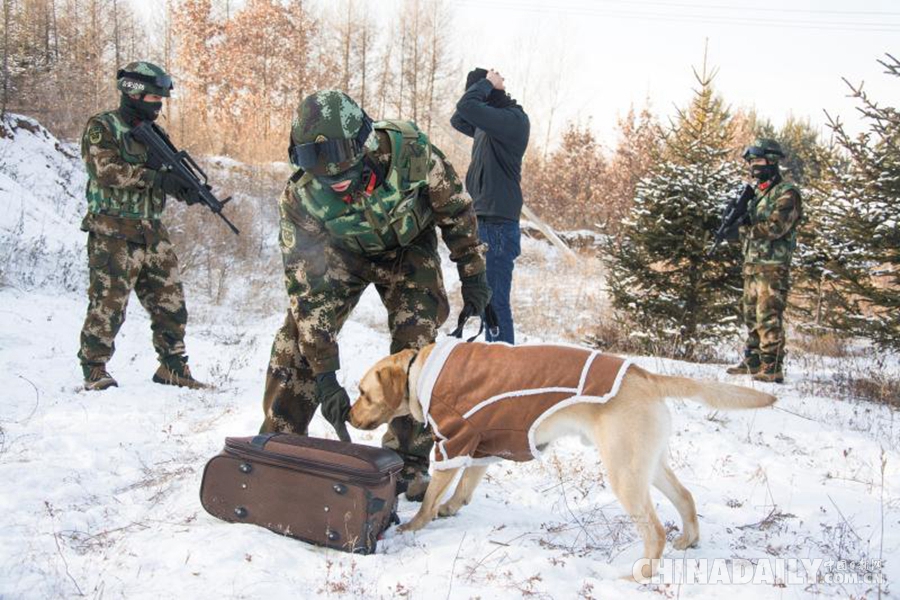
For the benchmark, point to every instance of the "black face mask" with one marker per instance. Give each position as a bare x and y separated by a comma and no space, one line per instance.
355,174
138,109
763,172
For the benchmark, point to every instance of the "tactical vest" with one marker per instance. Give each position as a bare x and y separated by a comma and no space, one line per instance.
118,202
763,251
394,214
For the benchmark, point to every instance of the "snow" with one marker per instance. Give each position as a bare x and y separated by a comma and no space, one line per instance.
42,185
101,490
106,484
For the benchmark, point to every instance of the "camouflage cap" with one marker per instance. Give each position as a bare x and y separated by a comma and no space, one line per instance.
764,148
143,77
331,130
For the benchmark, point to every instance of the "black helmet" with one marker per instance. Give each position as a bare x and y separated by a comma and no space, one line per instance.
142,77
764,148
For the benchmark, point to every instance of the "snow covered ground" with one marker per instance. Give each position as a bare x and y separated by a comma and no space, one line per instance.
101,490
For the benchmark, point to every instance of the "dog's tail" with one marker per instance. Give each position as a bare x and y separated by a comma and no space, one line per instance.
714,394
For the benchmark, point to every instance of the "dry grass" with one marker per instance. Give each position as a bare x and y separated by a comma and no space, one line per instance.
823,343
555,299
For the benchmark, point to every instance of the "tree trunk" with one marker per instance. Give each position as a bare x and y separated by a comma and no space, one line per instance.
7,12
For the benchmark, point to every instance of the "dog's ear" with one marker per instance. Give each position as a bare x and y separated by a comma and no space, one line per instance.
393,378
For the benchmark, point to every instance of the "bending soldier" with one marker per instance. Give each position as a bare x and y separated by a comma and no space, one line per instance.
363,208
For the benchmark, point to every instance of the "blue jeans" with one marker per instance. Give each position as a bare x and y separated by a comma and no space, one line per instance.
503,240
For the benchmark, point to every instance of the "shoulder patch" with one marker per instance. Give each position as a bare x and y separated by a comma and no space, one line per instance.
95,134
287,235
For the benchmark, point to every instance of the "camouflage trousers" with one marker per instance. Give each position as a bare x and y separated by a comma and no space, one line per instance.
411,287
765,298
117,267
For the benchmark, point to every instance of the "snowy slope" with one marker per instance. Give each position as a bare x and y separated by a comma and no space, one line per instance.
101,489
41,202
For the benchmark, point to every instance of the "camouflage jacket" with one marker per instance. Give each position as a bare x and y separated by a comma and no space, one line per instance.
311,254
121,199
771,235
392,214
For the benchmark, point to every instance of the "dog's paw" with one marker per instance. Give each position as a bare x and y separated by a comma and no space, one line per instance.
683,542
447,510
413,525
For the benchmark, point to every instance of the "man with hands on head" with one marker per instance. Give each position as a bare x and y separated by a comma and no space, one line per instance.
500,130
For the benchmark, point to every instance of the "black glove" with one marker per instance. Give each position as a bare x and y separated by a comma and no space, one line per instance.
190,195
334,403
171,183
475,292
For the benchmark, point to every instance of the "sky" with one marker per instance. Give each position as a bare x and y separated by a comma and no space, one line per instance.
782,58
592,59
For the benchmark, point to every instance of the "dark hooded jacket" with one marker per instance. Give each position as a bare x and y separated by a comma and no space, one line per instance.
501,137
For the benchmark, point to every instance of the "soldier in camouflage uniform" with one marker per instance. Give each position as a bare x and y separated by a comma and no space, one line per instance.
769,235
362,208
128,246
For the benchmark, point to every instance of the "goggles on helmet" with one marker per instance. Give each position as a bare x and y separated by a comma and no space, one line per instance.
311,155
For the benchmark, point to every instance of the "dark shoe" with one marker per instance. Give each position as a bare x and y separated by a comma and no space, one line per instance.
770,372
175,371
96,378
749,366
414,481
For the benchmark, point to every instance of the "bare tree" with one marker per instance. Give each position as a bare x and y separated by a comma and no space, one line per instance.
7,33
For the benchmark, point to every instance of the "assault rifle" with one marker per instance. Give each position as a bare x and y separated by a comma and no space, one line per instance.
732,217
163,152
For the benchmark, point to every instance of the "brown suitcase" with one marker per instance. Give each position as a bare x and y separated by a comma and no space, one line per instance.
325,492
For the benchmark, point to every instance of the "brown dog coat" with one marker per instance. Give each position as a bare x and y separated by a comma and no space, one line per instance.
484,402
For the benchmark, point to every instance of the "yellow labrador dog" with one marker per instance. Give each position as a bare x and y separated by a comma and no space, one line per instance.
493,401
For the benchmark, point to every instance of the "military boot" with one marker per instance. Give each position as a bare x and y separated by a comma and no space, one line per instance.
770,371
750,365
414,481
174,370
96,378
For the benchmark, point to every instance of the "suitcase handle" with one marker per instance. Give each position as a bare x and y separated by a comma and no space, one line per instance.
260,441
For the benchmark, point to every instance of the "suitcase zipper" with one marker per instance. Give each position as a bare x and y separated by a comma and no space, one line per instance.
325,469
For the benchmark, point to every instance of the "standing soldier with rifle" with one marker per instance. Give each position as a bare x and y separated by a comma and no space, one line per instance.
128,246
769,233
362,209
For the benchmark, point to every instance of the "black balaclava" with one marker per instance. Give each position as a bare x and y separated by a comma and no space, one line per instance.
497,98
765,172
138,109
360,175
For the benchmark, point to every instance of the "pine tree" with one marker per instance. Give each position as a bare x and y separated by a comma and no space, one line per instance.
676,299
864,221
813,295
